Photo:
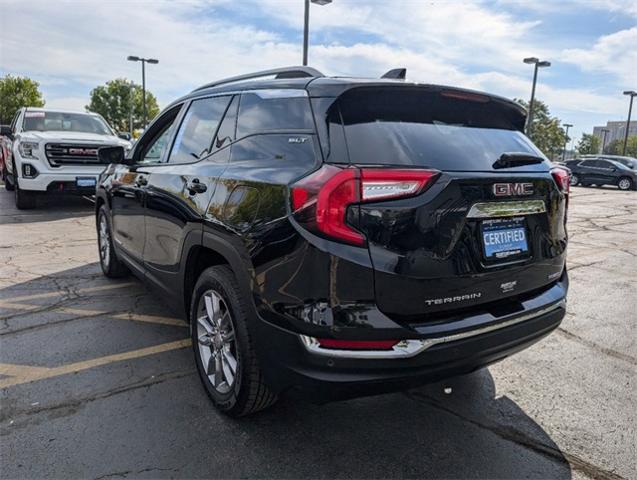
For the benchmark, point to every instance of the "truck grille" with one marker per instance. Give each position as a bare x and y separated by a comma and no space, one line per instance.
59,154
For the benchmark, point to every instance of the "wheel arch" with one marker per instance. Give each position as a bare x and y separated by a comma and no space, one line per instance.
210,252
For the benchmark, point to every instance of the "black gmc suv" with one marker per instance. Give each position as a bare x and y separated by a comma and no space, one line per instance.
338,237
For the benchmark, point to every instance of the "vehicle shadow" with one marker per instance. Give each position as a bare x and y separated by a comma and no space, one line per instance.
470,432
422,433
49,208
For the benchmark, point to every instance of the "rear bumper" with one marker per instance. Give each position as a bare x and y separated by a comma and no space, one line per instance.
470,343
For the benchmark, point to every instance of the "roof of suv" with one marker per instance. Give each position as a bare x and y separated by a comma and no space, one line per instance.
319,85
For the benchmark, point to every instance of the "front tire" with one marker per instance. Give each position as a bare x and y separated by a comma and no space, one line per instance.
111,265
24,199
625,183
574,180
224,354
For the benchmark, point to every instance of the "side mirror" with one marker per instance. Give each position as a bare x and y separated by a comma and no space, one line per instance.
124,136
108,155
5,131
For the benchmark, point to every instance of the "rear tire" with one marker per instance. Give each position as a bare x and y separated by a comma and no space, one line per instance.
222,345
111,265
625,183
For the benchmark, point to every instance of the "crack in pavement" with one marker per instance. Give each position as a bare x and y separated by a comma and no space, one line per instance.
523,440
600,349
72,406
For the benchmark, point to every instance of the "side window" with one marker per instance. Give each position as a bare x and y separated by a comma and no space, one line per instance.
152,146
194,139
274,110
226,133
588,163
605,164
288,150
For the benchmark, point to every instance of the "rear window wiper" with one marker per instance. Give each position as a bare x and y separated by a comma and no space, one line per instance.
516,159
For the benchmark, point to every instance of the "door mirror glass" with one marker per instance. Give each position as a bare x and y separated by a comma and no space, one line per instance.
124,136
108,155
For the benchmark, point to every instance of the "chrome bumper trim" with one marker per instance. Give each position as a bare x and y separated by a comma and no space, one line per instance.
506,209
411,348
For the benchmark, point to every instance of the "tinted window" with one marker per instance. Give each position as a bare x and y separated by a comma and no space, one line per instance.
605,164
275,150
153,144
194,139
225,134
588,163
273,110
155,151
411,126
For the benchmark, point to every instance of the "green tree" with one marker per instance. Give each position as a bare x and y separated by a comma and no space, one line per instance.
588,144
546,131
616,147
15,93
117,99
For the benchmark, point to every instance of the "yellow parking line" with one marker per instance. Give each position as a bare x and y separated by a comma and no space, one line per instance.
83,312
57,293
20,374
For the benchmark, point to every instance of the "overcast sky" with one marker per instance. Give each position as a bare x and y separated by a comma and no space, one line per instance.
70,47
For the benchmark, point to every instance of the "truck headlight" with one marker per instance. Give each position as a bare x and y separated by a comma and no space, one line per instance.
28,149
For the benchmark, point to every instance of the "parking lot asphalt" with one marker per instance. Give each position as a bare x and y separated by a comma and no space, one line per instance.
97,378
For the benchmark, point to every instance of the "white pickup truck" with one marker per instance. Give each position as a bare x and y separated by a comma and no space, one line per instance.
53,151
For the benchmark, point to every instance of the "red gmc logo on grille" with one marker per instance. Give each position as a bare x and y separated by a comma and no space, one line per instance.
83,151
512,189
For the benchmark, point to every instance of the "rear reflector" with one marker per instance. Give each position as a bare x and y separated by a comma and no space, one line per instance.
356,344
320,201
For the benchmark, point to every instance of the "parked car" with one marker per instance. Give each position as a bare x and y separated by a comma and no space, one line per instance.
603,171
4,153
53,151
630,162
338,237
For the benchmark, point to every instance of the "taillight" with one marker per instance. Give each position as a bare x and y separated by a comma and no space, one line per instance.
356,344
562,179
320,201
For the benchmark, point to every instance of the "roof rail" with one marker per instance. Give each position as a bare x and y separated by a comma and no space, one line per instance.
285,72
396,74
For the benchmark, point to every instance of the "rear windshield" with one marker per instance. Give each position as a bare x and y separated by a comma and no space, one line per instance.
419,127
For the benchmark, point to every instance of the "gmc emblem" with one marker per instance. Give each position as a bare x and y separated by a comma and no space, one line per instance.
512,189
83,151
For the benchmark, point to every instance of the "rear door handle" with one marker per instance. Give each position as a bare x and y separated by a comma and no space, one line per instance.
195,186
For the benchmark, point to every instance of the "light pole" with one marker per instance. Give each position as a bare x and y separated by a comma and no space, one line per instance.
306,27
604,131
567,125
154,61
632,94
538,64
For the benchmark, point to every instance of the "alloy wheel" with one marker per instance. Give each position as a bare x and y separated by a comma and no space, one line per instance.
216,339
574,180
104,241
624,184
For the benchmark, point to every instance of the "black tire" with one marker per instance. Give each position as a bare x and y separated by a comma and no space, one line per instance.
246,391
111,265
625,183
8,184
24,199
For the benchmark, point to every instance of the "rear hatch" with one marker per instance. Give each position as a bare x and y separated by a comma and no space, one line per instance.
488,225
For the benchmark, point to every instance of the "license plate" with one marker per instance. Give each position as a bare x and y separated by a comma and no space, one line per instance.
85,182
503,238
